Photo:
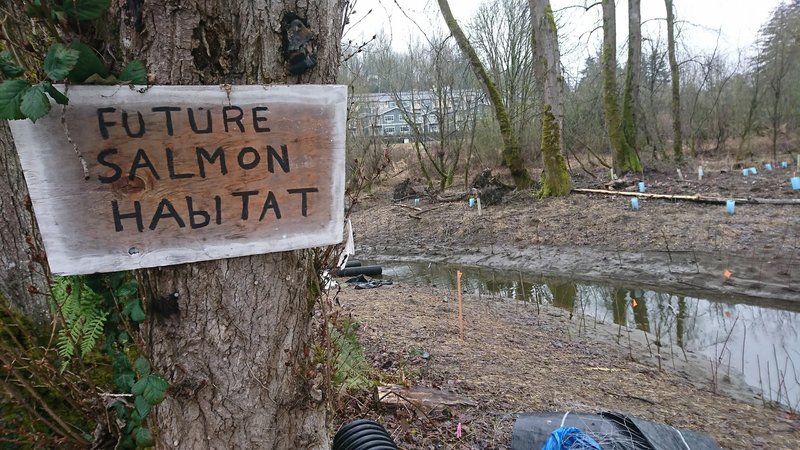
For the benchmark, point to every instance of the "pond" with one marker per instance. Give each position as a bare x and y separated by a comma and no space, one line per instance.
763,343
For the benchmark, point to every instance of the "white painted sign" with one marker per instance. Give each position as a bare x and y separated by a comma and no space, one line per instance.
179,174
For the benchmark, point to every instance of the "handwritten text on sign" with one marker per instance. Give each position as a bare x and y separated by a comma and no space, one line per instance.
185,173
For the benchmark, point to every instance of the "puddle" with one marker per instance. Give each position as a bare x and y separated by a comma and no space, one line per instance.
761,342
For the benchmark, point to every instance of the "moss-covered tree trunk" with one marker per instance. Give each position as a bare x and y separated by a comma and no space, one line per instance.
547,66
512,153
633,75
625,159
677,133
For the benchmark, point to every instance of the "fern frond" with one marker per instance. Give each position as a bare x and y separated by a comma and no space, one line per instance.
81,314
64,345
92,332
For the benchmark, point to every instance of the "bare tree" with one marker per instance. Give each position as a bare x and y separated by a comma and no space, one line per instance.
677,135
512,155
633,75
625,159
556,179
501,33
780,52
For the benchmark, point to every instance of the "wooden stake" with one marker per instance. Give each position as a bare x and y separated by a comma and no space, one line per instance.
460,311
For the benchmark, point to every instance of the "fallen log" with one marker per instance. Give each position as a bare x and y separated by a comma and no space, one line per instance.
400,205
419,215
455,197
694,198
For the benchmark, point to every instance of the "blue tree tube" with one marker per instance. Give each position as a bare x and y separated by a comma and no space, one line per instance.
730,206
634,203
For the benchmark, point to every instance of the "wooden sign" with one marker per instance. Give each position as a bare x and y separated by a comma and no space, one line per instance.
177,174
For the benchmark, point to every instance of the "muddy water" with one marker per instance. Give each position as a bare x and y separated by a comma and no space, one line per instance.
762,343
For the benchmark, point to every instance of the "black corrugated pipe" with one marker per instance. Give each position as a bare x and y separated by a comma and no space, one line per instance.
361,270
363,434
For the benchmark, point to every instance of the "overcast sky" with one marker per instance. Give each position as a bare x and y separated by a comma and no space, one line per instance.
732,24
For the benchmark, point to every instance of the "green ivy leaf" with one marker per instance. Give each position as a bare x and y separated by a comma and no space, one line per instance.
35,104
126,442
152,387
88,63
120,409
116,279
142,367
128,289
134,72
60,61
123,338
60,98
137,313
143,437
7,66
86,9
124,381
34,9
142,407
11,93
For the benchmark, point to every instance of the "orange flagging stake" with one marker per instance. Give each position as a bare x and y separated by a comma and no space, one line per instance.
460,312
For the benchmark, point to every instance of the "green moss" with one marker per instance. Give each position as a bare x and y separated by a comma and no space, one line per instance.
512,154
551,20
625,157
556,181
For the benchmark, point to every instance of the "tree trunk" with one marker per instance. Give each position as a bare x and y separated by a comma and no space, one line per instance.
547,66
625,159
677,134
23,271
633,75
24,275
512,153
237,354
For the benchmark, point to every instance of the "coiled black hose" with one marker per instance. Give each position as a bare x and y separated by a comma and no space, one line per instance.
363,434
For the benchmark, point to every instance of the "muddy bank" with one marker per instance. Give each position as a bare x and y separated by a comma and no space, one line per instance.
517,357
680,246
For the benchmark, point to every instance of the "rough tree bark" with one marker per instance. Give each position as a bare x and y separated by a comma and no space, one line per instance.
674,70
633,75
237,355
23,271
547,66
237,352
512,154
625,159
23,276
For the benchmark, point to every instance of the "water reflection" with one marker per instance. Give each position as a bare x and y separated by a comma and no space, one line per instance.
762,343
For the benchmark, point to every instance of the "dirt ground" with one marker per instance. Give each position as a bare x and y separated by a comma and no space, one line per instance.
518,357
